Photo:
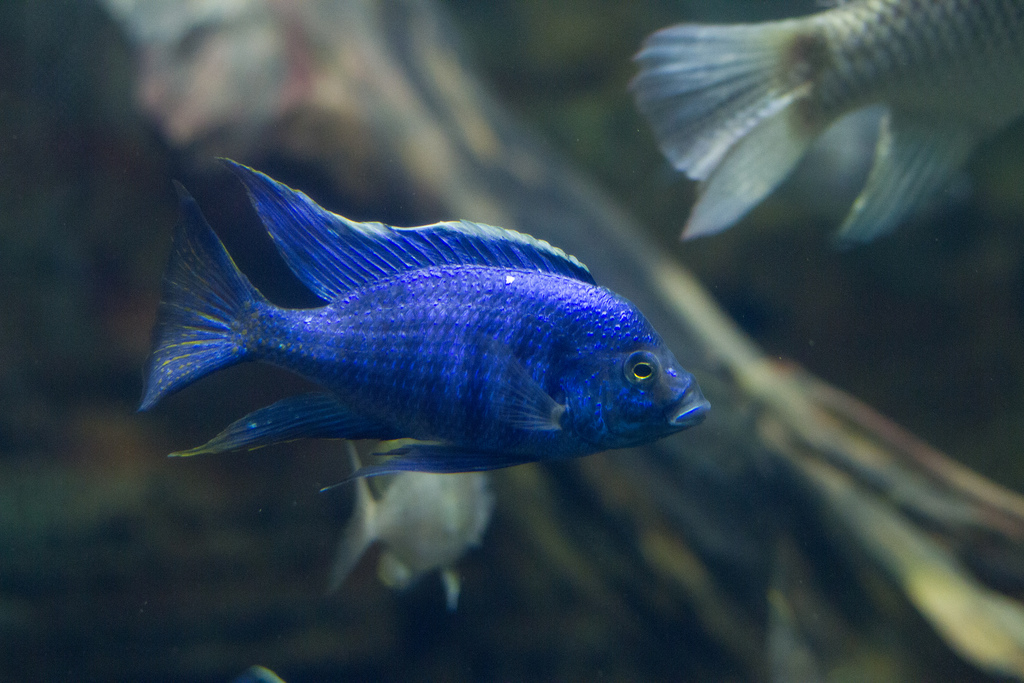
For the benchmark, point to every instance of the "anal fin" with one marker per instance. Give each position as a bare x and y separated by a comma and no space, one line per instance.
914,160
307,416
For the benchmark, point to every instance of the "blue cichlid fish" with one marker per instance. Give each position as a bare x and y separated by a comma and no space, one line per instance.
736,106
485,347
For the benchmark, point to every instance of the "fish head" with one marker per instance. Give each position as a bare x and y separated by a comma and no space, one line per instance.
634,396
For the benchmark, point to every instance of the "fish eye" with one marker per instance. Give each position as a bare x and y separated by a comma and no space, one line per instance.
641,366
643,370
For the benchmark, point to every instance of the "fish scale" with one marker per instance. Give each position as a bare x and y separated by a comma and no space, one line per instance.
898,45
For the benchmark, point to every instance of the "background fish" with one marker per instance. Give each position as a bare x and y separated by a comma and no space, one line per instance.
486,346
736,106
425,521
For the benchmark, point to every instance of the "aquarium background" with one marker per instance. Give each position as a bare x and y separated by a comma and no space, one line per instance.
118,564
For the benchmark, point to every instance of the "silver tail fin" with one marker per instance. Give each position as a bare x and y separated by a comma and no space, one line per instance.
720,100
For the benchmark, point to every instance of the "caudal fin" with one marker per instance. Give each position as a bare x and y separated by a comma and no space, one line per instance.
196,330
719,99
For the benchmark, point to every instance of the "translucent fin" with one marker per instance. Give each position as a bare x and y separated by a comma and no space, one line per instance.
400,446
415,456
704,87
913,162
203,294
754,167
332,254
308,416
452,587
520,401
360,532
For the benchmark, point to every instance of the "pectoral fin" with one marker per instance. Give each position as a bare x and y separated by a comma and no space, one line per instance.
307,416
520,401
913,162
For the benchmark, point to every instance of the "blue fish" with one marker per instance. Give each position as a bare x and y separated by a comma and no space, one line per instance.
467,346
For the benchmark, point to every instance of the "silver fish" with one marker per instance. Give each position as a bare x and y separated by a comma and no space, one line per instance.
426,521
737,106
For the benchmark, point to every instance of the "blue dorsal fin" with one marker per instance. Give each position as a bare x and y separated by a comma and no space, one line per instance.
332,254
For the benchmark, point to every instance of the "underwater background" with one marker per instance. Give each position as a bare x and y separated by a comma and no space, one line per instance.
119,564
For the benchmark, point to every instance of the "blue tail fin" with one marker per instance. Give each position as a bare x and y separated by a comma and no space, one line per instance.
197,329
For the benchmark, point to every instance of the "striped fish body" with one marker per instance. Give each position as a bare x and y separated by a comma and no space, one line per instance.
483,358
957,59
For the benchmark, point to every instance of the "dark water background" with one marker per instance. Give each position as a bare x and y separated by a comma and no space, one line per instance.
925,325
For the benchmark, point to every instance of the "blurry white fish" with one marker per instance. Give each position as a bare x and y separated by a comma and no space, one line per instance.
736,106
426,521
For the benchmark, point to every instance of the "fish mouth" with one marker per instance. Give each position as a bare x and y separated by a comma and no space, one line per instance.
691,409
